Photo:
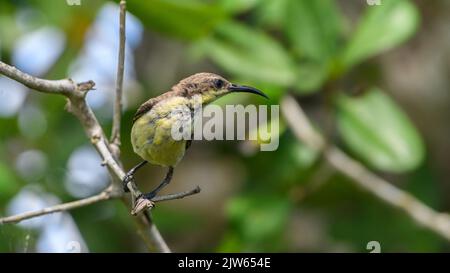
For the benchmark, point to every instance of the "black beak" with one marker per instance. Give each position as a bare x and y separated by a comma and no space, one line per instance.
246,89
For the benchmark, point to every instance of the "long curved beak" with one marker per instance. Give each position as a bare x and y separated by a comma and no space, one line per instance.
246,89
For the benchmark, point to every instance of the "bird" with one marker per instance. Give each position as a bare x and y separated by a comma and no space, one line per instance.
151,133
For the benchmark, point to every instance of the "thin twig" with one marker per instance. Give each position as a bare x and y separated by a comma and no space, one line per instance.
176,195
57,208
115,134
143,204
420,213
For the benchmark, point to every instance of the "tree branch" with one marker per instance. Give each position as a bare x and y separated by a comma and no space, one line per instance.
109,151
64,87
57,208
77,105
420,213
158,240
115,134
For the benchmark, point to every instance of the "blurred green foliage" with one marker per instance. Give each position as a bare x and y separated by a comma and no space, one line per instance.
381,28
375,128
300,46
182,19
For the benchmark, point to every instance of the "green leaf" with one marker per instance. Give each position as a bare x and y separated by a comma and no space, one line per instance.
187,19
378,131
313,28
381,28
250,53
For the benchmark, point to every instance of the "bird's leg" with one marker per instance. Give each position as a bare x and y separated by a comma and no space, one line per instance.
164,183
129,176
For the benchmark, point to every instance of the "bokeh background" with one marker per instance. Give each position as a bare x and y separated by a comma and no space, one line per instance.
374,79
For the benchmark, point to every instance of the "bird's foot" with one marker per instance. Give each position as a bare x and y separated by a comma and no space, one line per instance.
128,178
150,195
142,203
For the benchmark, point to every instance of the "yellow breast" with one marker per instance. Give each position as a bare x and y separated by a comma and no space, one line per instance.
151,135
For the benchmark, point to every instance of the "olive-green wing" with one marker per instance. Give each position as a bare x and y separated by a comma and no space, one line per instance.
144,108
148,105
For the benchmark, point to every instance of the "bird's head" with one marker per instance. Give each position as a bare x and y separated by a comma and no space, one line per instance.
211,87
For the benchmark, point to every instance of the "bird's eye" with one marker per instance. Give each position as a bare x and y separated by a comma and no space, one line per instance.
218,84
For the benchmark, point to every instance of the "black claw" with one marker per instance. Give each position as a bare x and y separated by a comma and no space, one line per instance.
126,179
129,175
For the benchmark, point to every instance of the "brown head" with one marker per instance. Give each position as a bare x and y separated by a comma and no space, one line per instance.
210,87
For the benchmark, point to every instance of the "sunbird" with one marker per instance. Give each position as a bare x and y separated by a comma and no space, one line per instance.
151,134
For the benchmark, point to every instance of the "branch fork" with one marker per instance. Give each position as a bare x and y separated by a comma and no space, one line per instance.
108,150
